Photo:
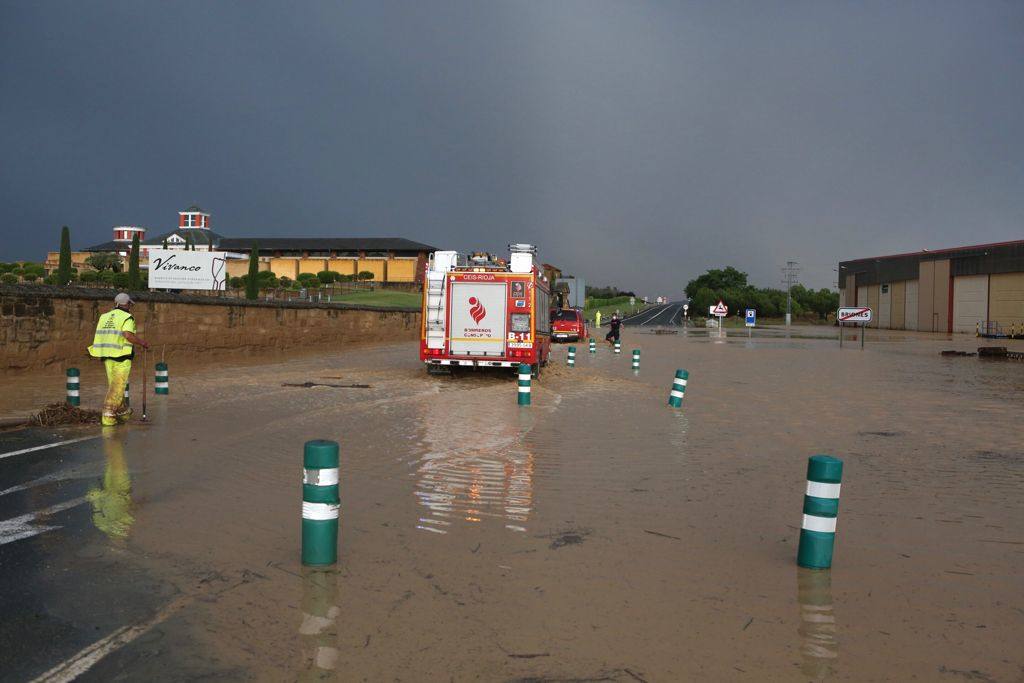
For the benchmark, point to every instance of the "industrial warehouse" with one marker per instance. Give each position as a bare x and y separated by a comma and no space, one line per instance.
976,289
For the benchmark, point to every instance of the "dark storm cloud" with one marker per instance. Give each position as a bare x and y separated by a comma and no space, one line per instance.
636,143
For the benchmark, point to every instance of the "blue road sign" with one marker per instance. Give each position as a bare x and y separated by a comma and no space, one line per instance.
751,317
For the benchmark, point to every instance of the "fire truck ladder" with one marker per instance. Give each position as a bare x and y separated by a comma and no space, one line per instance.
435,310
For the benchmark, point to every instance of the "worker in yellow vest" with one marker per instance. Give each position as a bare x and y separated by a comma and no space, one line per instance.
597,319
115,342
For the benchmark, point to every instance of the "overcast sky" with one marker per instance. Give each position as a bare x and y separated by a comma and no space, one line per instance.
635,143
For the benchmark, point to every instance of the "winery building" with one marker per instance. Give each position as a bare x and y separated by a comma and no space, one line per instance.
390,259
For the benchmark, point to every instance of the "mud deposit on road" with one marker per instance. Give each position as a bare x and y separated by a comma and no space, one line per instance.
598,534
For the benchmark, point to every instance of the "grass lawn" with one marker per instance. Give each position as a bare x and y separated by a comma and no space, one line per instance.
382,297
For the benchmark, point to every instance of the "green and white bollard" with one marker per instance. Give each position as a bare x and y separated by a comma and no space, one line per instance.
127,396
675,397
524,384
593,345
320,502
618,346
161,385
636,359
72,383
821,507
570,358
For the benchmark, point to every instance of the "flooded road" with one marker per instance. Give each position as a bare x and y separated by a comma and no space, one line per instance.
595,535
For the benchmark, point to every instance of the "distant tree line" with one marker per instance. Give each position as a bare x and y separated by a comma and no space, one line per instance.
730,286
606,292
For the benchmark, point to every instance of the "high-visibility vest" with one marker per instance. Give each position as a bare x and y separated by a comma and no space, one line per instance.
109,341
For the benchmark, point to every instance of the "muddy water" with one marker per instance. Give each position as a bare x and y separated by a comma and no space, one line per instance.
598,534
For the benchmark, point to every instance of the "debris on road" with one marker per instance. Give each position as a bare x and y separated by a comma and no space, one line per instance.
64,414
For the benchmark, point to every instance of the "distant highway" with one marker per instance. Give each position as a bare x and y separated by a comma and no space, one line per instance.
664,315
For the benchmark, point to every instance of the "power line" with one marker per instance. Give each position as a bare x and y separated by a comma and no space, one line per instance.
789,273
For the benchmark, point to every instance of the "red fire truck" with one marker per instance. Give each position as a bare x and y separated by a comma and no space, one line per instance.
481,311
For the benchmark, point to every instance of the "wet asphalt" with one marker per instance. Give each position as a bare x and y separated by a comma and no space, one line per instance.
63,585
669,314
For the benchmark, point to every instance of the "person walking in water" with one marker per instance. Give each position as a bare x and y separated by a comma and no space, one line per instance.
114,342
613,333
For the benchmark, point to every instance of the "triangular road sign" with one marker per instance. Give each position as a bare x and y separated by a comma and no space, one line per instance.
720,309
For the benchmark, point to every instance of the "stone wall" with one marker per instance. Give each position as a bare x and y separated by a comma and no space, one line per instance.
41,326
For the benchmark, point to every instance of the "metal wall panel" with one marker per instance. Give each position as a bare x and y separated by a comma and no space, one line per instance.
911,315
1006,299
899,305
943,291
970,302
926,297
872,303
862,297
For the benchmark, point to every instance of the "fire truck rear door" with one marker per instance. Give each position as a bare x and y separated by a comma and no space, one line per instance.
478,318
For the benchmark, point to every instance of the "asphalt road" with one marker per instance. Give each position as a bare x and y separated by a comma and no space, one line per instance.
665,315
58,578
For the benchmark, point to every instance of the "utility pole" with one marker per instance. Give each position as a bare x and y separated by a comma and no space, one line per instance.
789,273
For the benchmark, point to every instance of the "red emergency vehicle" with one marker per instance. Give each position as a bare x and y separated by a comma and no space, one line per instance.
481,311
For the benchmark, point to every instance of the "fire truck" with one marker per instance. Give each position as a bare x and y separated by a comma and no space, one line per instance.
482,311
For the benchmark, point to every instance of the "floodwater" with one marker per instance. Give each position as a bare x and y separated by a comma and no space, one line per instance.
595,535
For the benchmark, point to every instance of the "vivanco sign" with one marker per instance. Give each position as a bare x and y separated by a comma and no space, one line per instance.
178,269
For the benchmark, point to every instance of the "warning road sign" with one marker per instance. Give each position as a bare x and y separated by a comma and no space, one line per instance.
720,309
857,314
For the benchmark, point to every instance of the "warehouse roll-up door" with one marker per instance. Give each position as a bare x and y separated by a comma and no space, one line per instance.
910,312
1006,303
885,306
970,302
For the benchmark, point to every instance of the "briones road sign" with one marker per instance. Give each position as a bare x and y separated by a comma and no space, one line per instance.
857,314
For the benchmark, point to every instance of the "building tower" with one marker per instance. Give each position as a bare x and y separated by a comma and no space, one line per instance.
123,237
194,217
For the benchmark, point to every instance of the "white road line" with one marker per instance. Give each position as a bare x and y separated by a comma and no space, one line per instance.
20,527
49,445
72,668
666,309
62,475
657,312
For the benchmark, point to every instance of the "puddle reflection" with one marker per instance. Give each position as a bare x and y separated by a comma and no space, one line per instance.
477,465
112,499
818,649
319,627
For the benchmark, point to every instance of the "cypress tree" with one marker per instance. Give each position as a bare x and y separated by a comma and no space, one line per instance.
165,243
64,264
134,282
252,285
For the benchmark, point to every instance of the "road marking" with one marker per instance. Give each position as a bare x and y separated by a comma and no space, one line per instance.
49,445
62,475
72,668
20,527
657,313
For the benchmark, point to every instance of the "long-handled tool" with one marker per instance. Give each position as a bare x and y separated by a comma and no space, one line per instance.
145,371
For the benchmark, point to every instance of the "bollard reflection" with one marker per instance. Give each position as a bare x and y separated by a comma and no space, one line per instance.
112,501
319,627
818,649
